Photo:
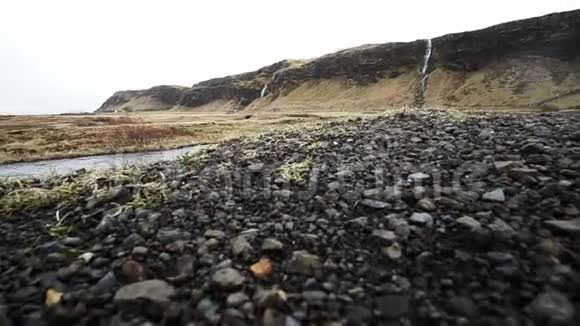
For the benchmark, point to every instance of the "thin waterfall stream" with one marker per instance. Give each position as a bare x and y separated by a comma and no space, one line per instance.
427,57
264,90
425,68
420,97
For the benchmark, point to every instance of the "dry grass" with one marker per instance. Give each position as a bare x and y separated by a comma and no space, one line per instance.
531,82
338,94
108,121
141,136
30,138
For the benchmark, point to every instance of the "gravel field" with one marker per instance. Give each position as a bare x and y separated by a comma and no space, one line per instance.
412,218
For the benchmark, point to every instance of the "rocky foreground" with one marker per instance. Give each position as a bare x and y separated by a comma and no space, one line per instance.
407,219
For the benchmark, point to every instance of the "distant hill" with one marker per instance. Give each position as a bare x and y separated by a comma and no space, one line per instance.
527,63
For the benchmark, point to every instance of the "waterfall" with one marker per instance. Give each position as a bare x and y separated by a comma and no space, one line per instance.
427,57
264,90
420,96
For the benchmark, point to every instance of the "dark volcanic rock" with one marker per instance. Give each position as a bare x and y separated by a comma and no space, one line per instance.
154,290
303,262
393,306
552,306
228,279
441,251
569,226
364,64
542,36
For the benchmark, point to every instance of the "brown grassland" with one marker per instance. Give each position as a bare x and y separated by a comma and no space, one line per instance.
32,138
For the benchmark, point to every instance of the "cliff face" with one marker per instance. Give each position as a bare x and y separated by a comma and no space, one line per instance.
155,98
533,62
237,90
363,65
554,36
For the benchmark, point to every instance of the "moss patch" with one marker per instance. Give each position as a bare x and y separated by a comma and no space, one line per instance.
295,172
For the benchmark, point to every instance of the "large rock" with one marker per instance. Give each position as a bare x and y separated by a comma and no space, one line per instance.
228,279
469,222
171,235
421,218
553,306
496,195
272,245
384,235
568,226
375,204
241,246
304,263
153,290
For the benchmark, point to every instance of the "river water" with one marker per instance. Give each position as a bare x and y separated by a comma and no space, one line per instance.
98,162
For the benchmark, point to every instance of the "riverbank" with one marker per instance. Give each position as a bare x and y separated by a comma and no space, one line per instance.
416,218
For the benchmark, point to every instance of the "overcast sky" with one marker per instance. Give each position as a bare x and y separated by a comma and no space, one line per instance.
69,56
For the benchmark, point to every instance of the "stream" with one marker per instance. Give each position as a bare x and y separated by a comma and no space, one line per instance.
97,162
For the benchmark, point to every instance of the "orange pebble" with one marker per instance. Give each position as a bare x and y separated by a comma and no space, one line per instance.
262,268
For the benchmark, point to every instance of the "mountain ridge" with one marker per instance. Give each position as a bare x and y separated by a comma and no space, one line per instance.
529,62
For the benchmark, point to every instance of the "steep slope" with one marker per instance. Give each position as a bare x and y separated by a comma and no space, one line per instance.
526,63
231,93
531,62
154,99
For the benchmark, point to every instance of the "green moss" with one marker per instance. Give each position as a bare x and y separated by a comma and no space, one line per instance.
295,172
456,116
148,196
21,195
27,199
59,231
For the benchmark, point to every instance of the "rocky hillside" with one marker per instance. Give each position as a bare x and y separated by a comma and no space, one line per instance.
527,63
410,219
231,92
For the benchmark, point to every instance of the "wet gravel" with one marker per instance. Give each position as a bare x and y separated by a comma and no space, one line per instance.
409,219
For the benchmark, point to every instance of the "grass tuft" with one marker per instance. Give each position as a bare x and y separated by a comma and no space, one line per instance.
27,199
23,195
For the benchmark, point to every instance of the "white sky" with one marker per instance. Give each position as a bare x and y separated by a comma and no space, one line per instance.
69,56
